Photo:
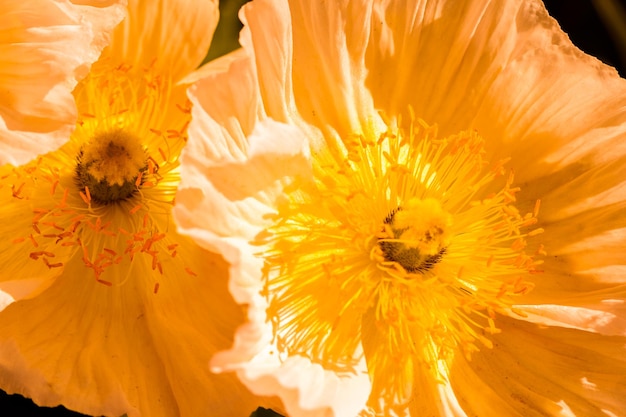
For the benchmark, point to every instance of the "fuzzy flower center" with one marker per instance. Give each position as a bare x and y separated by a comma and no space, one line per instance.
407,244
109,166
415,236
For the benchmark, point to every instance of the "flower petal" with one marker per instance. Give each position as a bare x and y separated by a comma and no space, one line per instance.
573,110
318,47
86,346
601,320
186,338
46,47
534,370
440,57
584,251
125,339
172,35
21,277
503,68
230,181
275,84
307,389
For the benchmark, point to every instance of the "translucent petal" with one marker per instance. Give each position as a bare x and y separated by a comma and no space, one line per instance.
46,47
533,369
171,35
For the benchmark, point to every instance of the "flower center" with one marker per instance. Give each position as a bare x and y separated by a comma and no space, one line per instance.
109,167
415,236
102,202
406,244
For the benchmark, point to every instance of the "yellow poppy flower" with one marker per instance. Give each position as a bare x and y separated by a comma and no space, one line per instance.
106,308
46,47
423,205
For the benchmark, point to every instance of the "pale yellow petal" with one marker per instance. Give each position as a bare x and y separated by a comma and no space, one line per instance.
229,95
222,204
186,338
235,166
239,192
251,339
128,348
534,370
503,68
86,346
440,57
292,58
171,35
46,46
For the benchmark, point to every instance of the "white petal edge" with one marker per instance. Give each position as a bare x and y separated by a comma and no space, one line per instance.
306,388
222,204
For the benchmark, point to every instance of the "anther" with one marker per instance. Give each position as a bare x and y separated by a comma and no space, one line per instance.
109,168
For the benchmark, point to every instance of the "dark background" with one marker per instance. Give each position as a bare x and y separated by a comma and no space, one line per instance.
578,18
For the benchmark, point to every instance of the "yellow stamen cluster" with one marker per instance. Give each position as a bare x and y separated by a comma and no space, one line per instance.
104,198
406,243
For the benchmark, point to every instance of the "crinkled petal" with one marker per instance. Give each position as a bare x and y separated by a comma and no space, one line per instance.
291,58
230,181
104,346
186,338
86,346
224,203
583,239
539,370
226,108
46,47
171,35
270,49
503,68
552,105
440,57
306,389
